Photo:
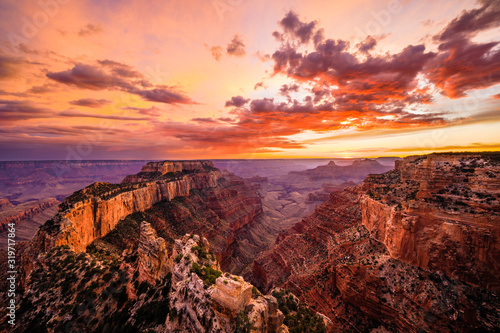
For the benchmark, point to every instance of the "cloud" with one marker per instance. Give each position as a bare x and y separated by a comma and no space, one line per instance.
259,85
205,120
45,88
472,21
58,130
340,88
229,138
11,111
9,66
112,75
91,102
236,47
298,30
463,65
120,69
152,111
286,89
90,29
237,101
367,45
264,57
226,119
217,52
79,114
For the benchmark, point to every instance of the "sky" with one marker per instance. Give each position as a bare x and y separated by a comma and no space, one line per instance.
247,78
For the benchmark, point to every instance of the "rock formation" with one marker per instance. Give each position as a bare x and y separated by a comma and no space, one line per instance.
144,289
15,214
198,199
440,212
405,251
153,260
28,184
94,211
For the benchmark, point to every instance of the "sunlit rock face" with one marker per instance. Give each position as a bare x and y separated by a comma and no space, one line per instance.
412,249
440,212
154,262
94,211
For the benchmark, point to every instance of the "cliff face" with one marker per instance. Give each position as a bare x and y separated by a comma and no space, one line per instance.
141,286
440,212
15,214
154,262
223,214
390,255
157,170
198,199
93,212
95,215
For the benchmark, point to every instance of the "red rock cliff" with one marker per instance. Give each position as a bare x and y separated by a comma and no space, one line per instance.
92,212
406,251
440,212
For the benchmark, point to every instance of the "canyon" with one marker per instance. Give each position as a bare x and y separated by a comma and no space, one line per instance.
391,255
123,240
406,250
32,190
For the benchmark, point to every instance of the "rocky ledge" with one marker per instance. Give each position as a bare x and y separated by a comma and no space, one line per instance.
411,250
441,212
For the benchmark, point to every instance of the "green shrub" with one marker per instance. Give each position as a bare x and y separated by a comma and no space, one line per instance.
207,274
178,258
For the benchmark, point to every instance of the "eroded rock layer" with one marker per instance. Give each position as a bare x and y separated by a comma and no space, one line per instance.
391,255
440,212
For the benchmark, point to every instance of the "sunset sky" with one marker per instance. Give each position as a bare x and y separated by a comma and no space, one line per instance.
247,78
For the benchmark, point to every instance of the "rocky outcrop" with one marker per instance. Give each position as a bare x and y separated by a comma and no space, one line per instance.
154,262
93,212
15,214
265,316
4,204
231,294
390,255
339,174
214,308
157,170
440,212
224,214
94,215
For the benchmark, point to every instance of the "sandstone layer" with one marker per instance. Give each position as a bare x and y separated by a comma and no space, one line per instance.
390,255
440,212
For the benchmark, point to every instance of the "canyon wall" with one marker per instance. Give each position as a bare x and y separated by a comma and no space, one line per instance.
95,215
154,170
440,212
411,250
94,211
11,214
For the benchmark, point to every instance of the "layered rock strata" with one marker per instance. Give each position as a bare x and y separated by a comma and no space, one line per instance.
411,250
